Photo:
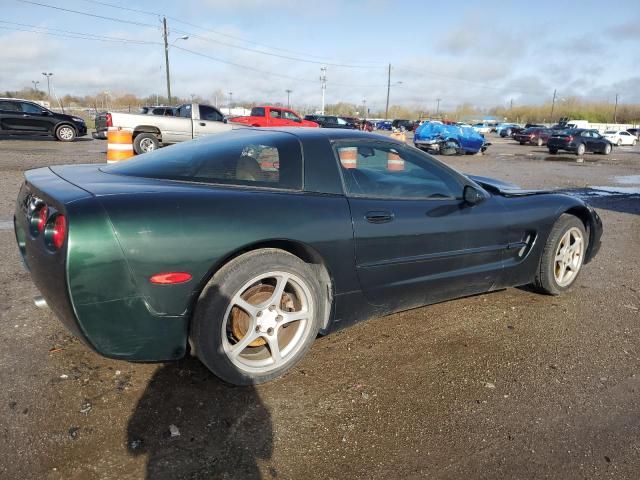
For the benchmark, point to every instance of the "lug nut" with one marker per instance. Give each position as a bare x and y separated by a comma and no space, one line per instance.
279,318
257,329
259,314
270,331
272,307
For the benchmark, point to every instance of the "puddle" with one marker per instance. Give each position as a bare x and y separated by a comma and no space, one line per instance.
606,191
627,180
6,224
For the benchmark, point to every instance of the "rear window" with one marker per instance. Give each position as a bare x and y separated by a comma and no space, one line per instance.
272,160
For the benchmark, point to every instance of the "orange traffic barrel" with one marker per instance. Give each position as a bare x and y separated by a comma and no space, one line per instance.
399,136
395,163
119,144
348,156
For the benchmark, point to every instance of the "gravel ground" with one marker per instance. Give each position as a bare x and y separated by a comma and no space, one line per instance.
505,385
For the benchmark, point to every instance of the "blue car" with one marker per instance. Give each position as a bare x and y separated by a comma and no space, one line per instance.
384,125
448,139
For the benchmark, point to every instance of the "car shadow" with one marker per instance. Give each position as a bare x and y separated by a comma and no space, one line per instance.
189,424
41,138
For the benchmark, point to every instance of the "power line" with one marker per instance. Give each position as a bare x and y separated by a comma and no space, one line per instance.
240,47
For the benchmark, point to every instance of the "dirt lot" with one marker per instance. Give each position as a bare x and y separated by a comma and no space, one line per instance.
506,385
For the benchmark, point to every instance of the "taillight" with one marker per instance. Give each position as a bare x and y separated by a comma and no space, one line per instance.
109,120
43,214
569,139
59,232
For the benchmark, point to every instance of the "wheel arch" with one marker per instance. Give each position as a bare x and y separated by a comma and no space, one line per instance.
303,251
147,129
583,213
64,123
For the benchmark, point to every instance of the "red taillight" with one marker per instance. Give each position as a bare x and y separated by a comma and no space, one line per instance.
570,139
43,214
168,278
531,135
109,120
59,232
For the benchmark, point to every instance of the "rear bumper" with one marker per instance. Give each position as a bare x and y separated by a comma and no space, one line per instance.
99,135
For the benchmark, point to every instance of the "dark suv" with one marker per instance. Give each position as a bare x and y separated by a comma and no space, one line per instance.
408,125
23,116
330,121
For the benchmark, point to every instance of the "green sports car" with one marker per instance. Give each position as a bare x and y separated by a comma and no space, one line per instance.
242,247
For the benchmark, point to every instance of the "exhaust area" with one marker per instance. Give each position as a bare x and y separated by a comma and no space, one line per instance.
40,302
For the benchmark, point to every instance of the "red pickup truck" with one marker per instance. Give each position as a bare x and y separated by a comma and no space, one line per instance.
267,116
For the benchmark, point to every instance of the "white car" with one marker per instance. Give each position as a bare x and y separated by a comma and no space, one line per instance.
482,128
620,137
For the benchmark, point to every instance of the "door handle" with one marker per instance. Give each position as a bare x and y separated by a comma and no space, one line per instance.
379,217
202,124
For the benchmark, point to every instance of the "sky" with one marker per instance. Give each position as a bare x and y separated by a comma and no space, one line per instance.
486,53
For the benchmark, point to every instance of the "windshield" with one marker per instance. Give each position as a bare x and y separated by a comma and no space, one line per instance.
240,157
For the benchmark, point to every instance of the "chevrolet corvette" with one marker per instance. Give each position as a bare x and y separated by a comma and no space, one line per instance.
241,248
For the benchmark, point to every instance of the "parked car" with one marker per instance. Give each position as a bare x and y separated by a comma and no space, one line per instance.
407,125
330,121
25,117
268,116
579,141
635,131
448,139
620,137
534,136
505,129
482,127
384,125
150,132
235,245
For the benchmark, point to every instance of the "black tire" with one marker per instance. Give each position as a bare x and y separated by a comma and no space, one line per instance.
522,143
553,151
581,149
545,281
206,331
65,133
145,142
607,149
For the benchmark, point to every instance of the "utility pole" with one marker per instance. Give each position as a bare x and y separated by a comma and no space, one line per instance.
615,111
553,104
364,108
386,110
166,58
288,94
35,85
438,106
323,80
511,107
230,98
48,75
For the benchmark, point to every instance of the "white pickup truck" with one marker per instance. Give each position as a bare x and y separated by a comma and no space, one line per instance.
150,132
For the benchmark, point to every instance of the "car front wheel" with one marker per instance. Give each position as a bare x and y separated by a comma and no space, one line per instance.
580,150
607,149
562,257
257,317
66,133
145,142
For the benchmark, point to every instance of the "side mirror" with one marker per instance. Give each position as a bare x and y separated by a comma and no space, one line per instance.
472,195
45,113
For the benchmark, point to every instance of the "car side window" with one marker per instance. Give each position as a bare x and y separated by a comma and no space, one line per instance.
275,113
290,116
341,121
391,171
210,113
184,111
9,106
31,108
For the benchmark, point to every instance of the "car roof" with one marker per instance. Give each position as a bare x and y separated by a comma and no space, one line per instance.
17,99
304,133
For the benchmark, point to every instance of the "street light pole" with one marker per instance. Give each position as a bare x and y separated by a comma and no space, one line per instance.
230,98
553,104
438,106
48,75
35,85
615,111
288,94
386,111
166,58
323,80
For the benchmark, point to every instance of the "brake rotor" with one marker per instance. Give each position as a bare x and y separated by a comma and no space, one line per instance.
256,295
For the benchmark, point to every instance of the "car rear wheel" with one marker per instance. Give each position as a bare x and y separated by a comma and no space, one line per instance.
257,317
145,142
580,150
553,151
66,133
607,149
562,257
539,143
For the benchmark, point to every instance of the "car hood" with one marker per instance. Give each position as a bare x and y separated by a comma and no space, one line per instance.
505,189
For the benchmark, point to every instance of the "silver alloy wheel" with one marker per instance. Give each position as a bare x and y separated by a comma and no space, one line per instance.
261,333
147,145
569,257
66,133
581,149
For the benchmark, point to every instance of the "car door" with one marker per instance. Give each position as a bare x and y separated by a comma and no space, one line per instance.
210,121
276,119
416,241
291,119
10,114
34,118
